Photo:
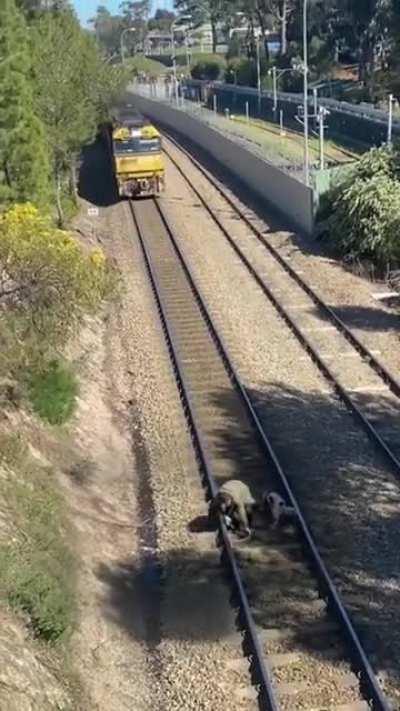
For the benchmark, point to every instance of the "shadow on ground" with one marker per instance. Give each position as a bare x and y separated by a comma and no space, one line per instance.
352,504
350,498
96,182
363,317
195,607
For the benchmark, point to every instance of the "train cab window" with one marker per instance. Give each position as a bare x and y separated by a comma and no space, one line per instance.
137,145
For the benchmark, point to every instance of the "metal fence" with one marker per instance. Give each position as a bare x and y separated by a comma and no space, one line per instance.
353,122
185,101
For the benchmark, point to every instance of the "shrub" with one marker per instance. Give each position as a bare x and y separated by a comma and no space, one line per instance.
47,281
36,565
52,392
208,67
244,72
364,210
366,220
139,63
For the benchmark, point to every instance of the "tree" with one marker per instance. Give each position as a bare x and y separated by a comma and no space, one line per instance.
73,87
24,160
212,11
280,11
364,210
161,21
108,29
33,7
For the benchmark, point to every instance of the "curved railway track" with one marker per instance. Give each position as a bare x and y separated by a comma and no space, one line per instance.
304,652
331,344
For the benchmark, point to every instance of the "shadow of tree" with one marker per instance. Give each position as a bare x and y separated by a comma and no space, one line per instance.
364,317
195,607
96,181
350,500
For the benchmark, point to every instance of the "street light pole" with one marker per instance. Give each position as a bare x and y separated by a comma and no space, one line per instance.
275,76
258,75
188,57
305,96
178,19
174,61
390,121
127,29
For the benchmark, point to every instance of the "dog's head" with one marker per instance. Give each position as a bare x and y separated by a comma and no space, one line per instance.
221,503
274,501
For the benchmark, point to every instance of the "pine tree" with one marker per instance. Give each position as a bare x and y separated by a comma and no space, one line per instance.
24,161
64,67
73,86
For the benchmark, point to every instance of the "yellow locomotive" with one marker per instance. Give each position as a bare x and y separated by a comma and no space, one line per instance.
137,158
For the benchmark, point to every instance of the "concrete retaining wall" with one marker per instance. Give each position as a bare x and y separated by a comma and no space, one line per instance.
290,198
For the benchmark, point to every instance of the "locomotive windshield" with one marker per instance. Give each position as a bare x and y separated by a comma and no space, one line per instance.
137,145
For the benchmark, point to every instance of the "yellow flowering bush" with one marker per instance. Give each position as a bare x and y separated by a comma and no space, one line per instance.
46,277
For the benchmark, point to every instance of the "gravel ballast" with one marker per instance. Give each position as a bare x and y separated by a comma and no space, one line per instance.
348,494
163,598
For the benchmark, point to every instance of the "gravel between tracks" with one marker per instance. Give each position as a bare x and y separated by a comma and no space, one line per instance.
190,662
187,668
375,323
349,496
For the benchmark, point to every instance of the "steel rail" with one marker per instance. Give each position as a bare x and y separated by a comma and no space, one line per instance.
369,686
373,434
260,666
374,361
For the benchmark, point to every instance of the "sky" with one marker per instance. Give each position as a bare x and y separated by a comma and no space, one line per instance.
87,8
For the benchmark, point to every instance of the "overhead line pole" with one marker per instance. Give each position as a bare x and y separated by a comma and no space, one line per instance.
305,96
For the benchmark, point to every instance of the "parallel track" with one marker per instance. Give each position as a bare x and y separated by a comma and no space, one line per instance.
373,422
297,136
230,442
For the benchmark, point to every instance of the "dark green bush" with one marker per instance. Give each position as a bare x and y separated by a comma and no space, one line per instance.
244,72
363,210
37,570
52,392
208,67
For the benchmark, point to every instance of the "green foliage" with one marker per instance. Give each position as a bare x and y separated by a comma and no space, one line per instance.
213,12
244,72
48,282
64,62
162,20
24,159
52,392
74,89
108,30
36,565
210,66
364,210
140,63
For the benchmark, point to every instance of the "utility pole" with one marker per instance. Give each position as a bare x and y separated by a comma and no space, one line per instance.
274,87
305,96
123,33
315,95
390,121
322,113
174,61
172,31
258,74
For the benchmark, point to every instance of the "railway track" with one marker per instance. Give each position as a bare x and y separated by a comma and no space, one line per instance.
304,652
297,136
358,375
